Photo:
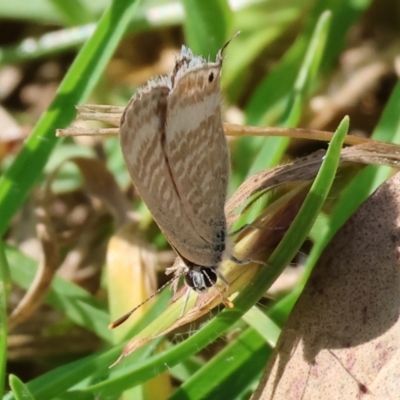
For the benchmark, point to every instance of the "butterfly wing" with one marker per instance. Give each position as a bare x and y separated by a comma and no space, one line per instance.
196,147
142,136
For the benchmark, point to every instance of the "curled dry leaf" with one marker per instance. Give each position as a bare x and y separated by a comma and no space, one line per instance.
40,286
342,340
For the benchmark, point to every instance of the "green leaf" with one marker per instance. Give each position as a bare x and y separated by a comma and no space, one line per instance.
229,373
19,389
4,284
271,150
74,375
207,25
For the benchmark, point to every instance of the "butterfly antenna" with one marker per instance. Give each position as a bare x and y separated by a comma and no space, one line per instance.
122,319
185,302
219,55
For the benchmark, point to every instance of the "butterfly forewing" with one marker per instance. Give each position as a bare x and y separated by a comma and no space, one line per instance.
174,145
197,150
142,136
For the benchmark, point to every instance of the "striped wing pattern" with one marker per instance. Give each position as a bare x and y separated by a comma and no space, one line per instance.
197,150
175,150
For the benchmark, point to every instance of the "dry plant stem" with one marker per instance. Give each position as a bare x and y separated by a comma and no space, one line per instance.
112,115
230,130
297,133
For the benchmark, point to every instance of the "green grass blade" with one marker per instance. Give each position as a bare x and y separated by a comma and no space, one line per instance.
303,222
229,373
275,88
80,80
74,12
238,365
387,130
96,366
4,279
346,13
309,71
263,324
19,389
207,25
272,149
63,378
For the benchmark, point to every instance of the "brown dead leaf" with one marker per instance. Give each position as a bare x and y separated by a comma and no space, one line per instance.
101,183
342,340
300,170
77,217
46,271
11,133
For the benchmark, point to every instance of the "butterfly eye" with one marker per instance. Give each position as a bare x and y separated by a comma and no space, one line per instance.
211,77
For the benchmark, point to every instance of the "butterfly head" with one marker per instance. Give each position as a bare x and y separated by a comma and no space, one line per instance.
200,279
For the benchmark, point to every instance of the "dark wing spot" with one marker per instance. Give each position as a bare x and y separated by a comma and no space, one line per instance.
211,77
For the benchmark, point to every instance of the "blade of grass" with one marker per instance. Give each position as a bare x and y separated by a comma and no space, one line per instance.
272,149
19,389
345,15
4,279
70,376
262,25
63,378
275,88
46,44
207,24
303,68
238,365
229,373
387,130
263,324
309,70
80,80
74,12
